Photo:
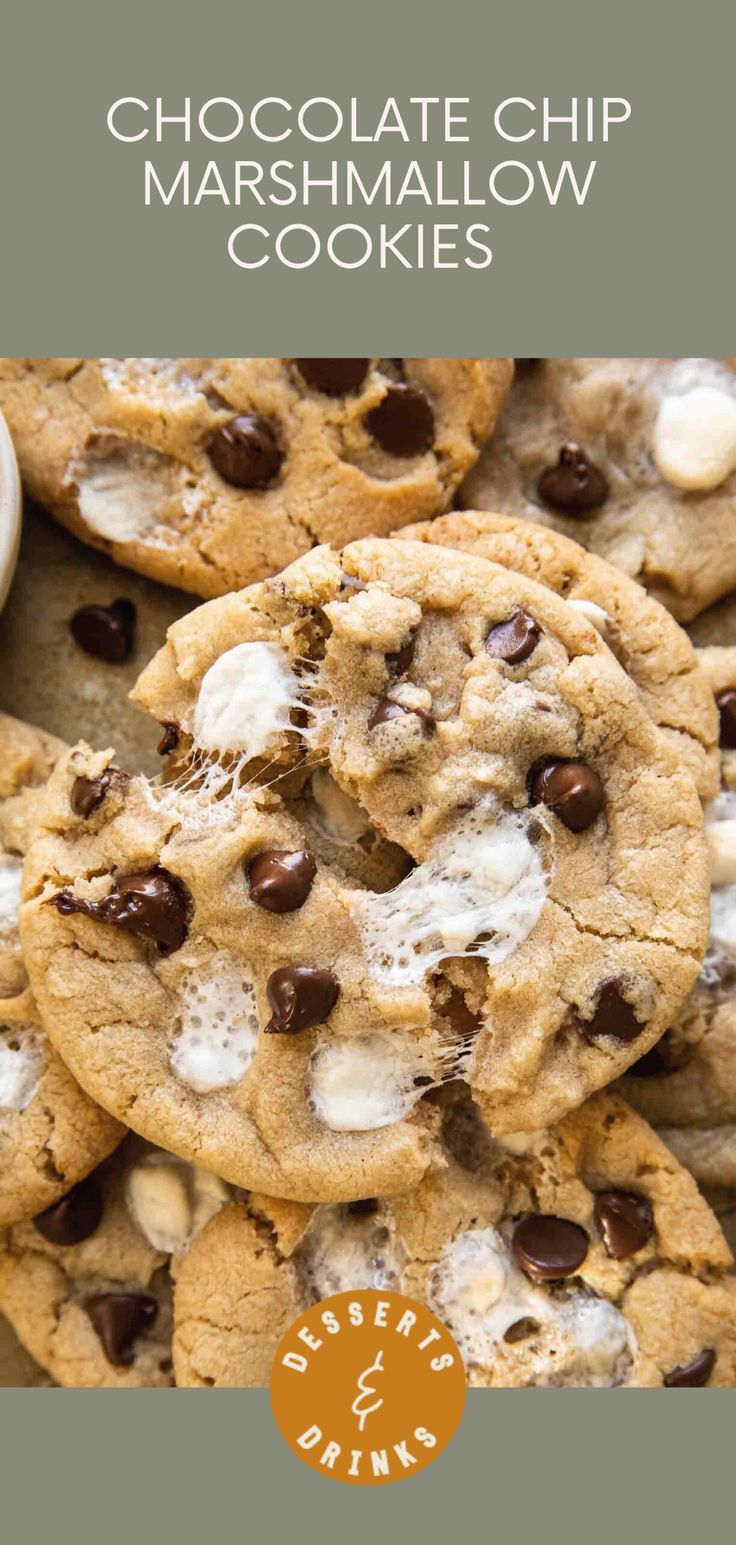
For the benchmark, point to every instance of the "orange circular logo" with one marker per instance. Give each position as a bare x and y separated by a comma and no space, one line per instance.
368,1387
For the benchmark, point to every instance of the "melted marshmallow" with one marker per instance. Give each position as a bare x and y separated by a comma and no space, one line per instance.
170,1201
342,1251
484,878
593,613
124,489
245,700
21,1066
219,1025
358,1083
339,817
694,440
11,870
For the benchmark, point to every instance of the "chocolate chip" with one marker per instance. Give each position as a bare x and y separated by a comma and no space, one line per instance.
170,738
515,639
119,1318
613,1016
549,1248
87,793
106,632
152,904
74,1217
575,485
693,1375
726,704
386,710
245,451
625,1220
526,366
402,422
333,377
521,1330
280,881
571,790
300,996
400,662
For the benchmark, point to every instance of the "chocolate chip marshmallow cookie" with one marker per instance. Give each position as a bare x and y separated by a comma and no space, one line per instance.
50,1132
648,643
87,1283
635,458
686,1084
584,1257
211,473
415,825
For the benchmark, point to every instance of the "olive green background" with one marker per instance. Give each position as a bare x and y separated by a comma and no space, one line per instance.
645,267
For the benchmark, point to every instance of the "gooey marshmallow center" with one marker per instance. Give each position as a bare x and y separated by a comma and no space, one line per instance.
245,701
218,1038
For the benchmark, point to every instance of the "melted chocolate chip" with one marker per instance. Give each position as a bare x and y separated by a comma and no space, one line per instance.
245,451
402,422
386,710
87,793
364,1207
119,1318
152,904
400,662
515,639
693,1375
571,790
549,1248
169,740
521,1330
726,704
300,996
574,485
106,632
280,881
625,1220
333,377
613,1016
74,1217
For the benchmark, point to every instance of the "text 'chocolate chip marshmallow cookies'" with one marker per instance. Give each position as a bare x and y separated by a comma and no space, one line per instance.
211,473
417,825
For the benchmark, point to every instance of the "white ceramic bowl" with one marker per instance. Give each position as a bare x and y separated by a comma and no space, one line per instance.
10,510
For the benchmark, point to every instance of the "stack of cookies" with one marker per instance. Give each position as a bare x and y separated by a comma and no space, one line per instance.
413,966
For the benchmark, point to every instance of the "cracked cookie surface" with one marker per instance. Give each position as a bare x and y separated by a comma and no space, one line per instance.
51,1133
585,1258
686,1085
87,1284
208,474
415,825
650,646
634,458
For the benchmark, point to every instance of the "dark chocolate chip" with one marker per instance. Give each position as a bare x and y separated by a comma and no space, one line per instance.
625,1220
152,904
400,662
280,881
333,377
574,485
87,793
75,1216
245,451
300,996
515,639
571,790
169,740
726,703
386,710
402,422
549,1248
693,1375
613,1015
106,632
119,1318
521,1330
